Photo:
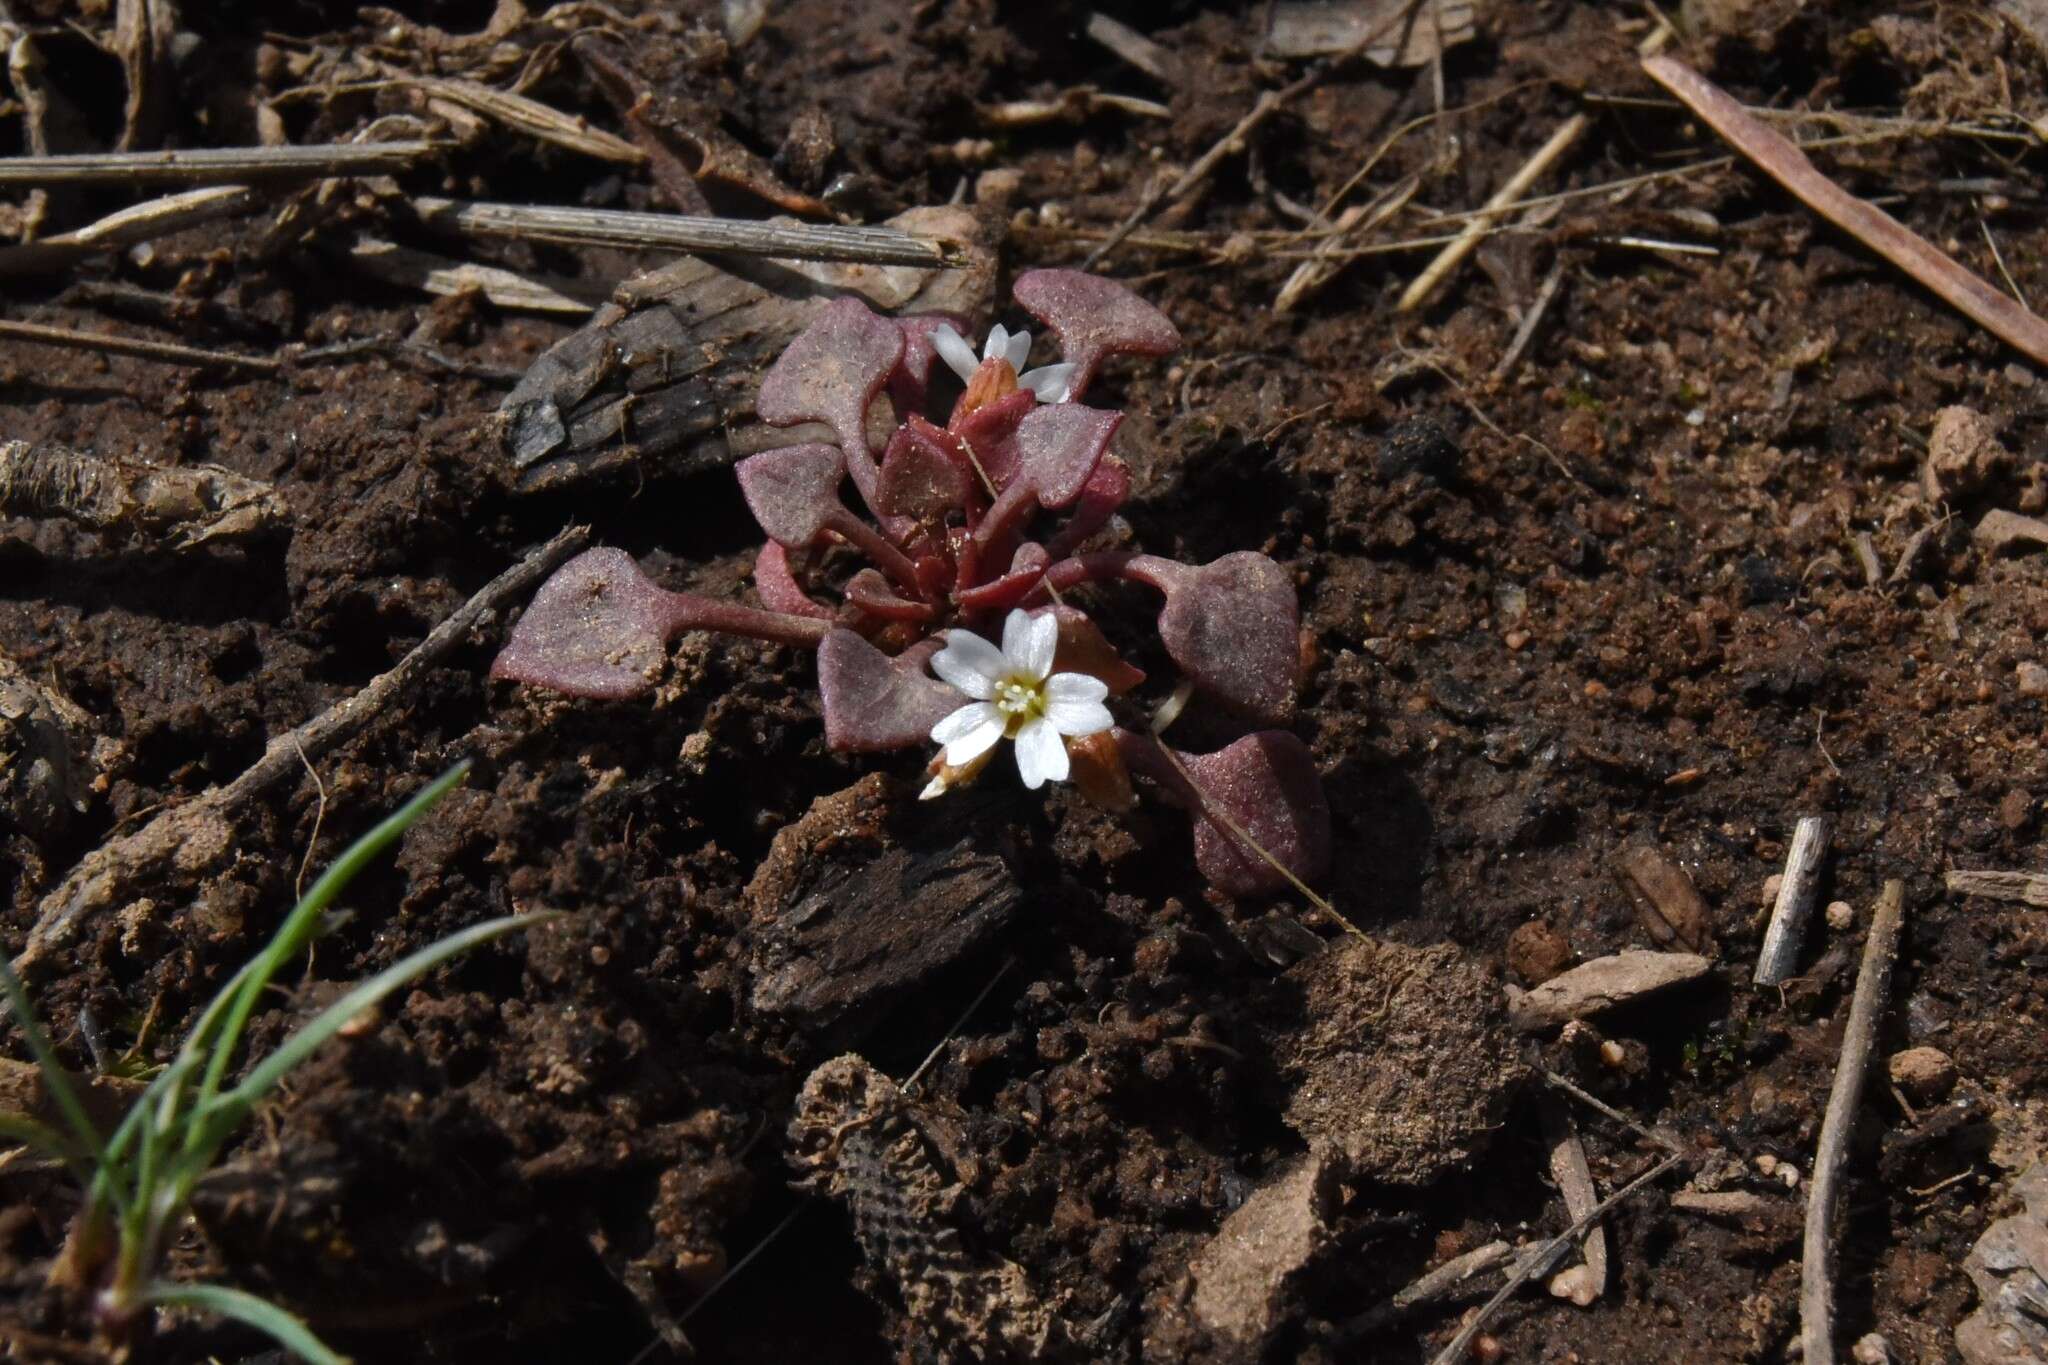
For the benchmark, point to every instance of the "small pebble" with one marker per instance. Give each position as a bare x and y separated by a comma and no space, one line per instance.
1537,952
1923,1075
1613,1054
1788,1175
1767,1164
1841,915
2032,679
1772,884
1871,1349
1515,639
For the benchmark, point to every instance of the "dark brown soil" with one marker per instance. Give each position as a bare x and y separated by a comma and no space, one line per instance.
1611,597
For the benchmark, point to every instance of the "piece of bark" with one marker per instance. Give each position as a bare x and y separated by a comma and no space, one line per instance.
1605,982
45,740
862,901
671,365
1241,1275
2009,1266
180,506
1396,32
2027,888
1668,905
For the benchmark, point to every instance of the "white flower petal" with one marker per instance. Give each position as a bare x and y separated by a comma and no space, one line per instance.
1041,756
1078,718
998,338
1016,350
958,722
954,350
1016,637
970,663
1075,687
1049,382
978,739
1033,655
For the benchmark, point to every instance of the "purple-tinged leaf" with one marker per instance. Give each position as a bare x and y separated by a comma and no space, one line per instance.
870,592
1265,783
793,492
1052,453
1234,625
600,628
910,381
830,374
597,628
1106,490
775,580
991,424
873,702
1094,318
923,477
1026,571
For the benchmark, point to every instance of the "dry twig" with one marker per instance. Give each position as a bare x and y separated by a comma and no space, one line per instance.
1859,1039
191,835
169,352
1133,46
141,223
210,165
2027,888
1793,911
1782,160
672,232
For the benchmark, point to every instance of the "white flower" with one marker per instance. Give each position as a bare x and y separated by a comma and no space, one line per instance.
1016,695
1049,382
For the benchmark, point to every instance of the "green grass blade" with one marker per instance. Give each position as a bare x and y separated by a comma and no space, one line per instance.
59,1084
300,925
220,1115
265,1316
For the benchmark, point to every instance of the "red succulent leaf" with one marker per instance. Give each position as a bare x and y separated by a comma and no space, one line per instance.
1027,569
990,425
793,492
1053,451
1083,648
910,381
775,580
598,628
830,374
923,475
1266,783
1106,490
871,592
873,702
1233,624
1094,318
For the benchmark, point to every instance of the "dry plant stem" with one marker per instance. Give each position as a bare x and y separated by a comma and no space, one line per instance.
168,351
142,223
1782,160
1561,141
1441,1283
210,165
1859,1040
2027,888
1530,322
1794,909
1574,1177
1133,46
1534,1265
672,232
1598,1105
99,881
181,505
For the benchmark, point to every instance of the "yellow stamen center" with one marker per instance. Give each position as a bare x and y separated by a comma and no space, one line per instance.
1018,699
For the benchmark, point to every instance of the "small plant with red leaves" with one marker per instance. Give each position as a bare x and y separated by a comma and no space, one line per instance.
978,527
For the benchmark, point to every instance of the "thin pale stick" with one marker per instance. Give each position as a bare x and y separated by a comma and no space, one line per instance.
140,223
1782,160
674,232
1531,320
1798,888
1506,197
958,1024
168,351
211,165
1859,1039
1535,1264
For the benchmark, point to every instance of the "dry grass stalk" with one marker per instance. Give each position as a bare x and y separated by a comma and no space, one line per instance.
178,505
142,223
1133,46
1859,1039
2026,888
413,269
1782,160
1798,888
671,232
169,352
528,116
210,164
